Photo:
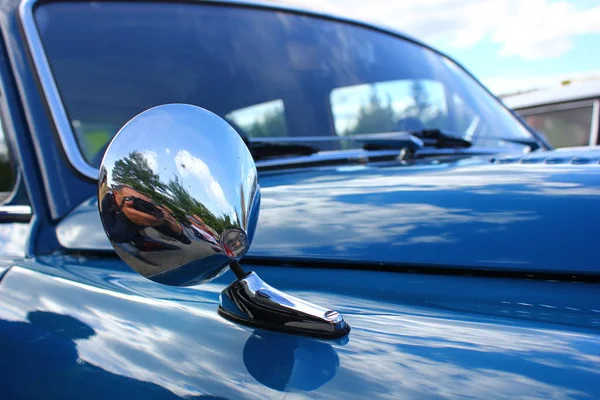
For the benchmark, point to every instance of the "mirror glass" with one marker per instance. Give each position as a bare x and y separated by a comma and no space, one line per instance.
178,194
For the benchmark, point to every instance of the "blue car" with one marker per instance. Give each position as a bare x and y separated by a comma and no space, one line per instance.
237,199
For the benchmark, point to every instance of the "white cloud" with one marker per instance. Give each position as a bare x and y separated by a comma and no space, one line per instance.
530,29
544,29
187,165
151,158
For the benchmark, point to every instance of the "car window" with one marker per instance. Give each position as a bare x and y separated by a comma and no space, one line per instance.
281,80
7,174
564,127
401,105
260,120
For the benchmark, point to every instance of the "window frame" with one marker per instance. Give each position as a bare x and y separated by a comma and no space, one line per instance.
9,211
10,195
566,106
15,207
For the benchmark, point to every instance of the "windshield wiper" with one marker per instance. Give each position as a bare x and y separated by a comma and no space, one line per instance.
412,140
444,140
441,139
388,140
266,149
278,146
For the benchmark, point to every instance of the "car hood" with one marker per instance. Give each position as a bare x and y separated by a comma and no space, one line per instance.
536,213
94,329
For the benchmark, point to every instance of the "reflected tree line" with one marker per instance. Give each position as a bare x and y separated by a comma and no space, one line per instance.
273,124
376,115
134,171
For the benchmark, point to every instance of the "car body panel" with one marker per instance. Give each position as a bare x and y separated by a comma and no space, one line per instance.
95,329
13,240
80,324
518,213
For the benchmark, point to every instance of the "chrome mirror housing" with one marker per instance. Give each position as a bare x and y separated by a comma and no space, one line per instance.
178,197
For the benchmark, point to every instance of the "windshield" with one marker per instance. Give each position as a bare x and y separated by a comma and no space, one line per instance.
270,74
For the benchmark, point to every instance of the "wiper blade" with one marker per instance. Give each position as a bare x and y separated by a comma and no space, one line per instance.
441,139
278,146
444,140
388,140
266,149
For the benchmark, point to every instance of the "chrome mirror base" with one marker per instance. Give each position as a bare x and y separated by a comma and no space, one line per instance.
250,301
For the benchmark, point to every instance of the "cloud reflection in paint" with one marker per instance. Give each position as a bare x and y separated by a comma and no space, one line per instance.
464,213
400,351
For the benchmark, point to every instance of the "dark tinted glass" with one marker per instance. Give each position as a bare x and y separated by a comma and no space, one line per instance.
564,128
7,175
270,73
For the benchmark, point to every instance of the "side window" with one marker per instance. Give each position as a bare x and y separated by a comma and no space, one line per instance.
260,120
7,173
565,126
402,105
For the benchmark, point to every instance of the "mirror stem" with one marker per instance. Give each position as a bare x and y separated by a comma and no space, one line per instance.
237,269
251,301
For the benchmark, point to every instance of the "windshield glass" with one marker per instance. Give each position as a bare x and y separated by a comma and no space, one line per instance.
270,74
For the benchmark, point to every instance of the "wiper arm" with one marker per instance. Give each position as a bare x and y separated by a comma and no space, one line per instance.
388,140
444,140
266,149
441,139
278,146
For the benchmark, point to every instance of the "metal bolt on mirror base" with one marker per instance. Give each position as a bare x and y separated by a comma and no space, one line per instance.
251,301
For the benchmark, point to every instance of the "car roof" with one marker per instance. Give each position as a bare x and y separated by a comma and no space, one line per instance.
571,92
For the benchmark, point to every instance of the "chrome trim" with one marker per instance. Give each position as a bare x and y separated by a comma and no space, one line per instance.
59,115
15,212
595,123
251,301
184,221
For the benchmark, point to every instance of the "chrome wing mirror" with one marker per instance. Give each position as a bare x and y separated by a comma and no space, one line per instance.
178,197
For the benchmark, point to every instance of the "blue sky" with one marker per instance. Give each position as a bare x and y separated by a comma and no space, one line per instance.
509,45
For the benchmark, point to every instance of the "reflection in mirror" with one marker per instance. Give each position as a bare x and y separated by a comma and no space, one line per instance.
289,363
178,198
178,187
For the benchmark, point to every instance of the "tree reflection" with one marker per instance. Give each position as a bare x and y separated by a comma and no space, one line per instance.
135,171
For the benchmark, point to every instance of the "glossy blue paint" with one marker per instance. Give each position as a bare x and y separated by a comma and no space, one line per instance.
13,240
73,327
524,216
99,330
538,214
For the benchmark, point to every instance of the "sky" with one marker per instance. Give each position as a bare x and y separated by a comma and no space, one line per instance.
510,45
